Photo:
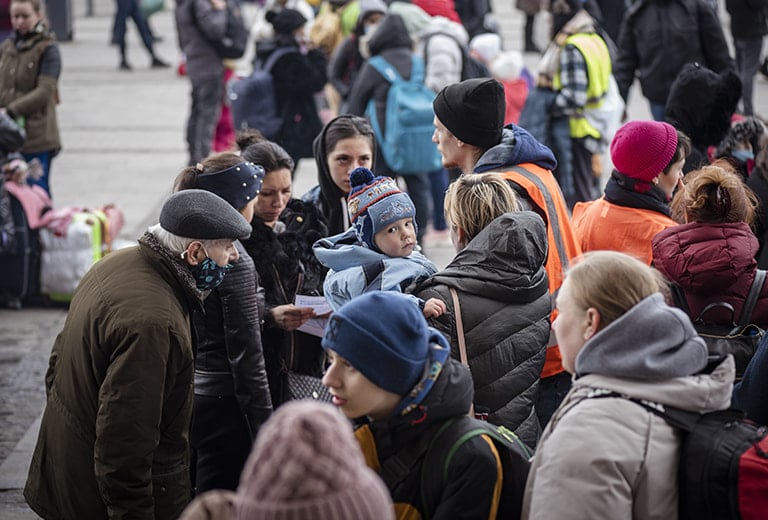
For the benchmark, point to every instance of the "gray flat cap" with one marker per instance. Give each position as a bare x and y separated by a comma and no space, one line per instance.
202,215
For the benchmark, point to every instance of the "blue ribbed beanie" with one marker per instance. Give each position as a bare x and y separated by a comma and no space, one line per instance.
384,335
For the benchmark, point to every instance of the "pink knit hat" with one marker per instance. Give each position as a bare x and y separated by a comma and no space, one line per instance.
642,149
306,464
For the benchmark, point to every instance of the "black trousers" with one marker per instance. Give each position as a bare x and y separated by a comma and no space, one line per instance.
220,442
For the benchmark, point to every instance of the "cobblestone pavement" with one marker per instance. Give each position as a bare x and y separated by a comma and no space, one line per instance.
123,143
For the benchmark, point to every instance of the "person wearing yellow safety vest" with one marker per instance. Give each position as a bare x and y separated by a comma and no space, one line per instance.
577,67
470,134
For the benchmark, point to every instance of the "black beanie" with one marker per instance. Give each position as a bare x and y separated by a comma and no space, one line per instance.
473,111
286,21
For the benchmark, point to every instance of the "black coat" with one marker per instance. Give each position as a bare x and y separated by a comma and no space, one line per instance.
658,37
230,354
749,18
297,77
505,307
286,267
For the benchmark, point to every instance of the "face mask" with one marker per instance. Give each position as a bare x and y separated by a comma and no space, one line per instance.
743,155
208,274
370,28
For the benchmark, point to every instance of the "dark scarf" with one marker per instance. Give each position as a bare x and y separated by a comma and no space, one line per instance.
620,190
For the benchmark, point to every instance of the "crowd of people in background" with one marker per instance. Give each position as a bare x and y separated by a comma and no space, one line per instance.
184,381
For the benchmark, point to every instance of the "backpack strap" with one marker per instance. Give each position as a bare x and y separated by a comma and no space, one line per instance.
749,303
276,55
417,69
384,68
447,441
675,417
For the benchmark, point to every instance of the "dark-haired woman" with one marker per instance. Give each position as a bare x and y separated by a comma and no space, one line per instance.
345,143
284,230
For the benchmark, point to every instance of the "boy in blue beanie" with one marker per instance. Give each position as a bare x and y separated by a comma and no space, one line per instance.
379,251
388,365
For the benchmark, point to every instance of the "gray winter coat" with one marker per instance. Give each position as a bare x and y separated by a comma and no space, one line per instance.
196,25
611,458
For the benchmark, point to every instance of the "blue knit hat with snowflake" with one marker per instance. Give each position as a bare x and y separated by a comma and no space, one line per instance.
374,203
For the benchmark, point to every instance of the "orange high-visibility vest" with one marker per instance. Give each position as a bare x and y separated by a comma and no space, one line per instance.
600,225
542,189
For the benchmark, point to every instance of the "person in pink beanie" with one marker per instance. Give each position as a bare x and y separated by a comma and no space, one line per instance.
648,159
305,464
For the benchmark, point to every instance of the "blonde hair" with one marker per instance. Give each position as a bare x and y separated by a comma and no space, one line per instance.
475,200
715,194
612,283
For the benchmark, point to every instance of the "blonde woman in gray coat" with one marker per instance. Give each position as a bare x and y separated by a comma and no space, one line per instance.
612,458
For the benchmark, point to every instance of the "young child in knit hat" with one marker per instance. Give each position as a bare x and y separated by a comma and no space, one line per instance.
379,251
388,365
305,464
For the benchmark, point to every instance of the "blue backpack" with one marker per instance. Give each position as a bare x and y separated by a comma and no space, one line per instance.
406,142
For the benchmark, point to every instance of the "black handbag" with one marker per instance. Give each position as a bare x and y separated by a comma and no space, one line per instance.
304,386
740,338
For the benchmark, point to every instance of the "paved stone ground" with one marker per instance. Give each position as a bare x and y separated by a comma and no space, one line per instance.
123,143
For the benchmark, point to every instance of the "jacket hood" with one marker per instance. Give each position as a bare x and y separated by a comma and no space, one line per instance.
702,393
442,25
505,261
651,341
705,259
368,7
330,194
517,146
390,34
343,251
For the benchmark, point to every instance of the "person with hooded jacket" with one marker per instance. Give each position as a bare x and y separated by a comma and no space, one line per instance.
388,366
345,143
392,42
602,455
712,256
500,283
346,60
470,134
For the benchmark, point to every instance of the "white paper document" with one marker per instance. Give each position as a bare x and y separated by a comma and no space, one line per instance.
314,326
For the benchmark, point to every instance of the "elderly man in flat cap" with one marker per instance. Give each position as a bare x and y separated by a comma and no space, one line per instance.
113,442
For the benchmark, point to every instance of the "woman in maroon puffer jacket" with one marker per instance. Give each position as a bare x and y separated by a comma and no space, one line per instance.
712,256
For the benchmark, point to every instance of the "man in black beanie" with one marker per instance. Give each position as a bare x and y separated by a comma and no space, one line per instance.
470,134
113,440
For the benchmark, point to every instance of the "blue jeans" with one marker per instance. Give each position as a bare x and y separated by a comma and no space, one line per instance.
747,65
130,9
438,183
657,110
418,190
552,390
45,162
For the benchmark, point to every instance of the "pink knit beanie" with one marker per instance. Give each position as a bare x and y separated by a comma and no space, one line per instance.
642,149
306,464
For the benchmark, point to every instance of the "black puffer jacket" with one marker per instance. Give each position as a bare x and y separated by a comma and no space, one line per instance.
658,37
505,308
392,42
229,356
287,266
